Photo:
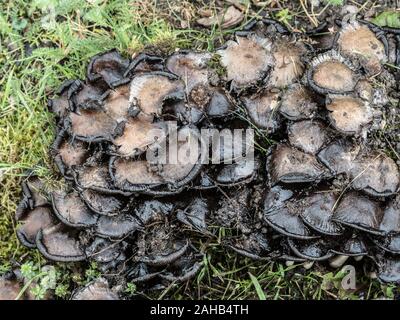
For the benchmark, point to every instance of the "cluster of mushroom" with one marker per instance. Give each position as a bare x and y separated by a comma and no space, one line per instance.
319,193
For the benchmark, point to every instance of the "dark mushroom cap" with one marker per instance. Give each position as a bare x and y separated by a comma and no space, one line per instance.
59,243
32,222
318,212
262,109
109,66
314,250
353,246
297,103
95,290
391,217
359,212
92,125
290,165
389,269
308,136
116,227
72,210
102,203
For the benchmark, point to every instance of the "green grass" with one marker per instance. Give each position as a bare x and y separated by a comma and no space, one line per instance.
43,43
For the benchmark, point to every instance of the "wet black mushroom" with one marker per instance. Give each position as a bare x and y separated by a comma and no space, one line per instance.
136,192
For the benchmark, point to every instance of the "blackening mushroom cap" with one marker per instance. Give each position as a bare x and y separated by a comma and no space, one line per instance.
32,221
352,246
331,73
297,103
376,174
256,246
185,163
138,135
391,217
116,227
72,210
149,91
358,42
389,269
91,125
263,109
241,171
103,204
182,269
290,165
104,250
59,243
308,136
219,104
288,65
359,212
282,213
195,214
247,60
349,115
314,250
95,290
88,96
150,211
133,175
287,221
318,211
68,153
191,67
340,156
389,243
61,105
109,66
94,177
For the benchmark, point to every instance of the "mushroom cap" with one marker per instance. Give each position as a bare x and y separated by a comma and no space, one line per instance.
241,171
138,135
354,246
282,213
72,210
389,270
297,103
60,105
109,66
59,243
331,73
149,91
340,156
69,153
94,177
262,109
32,222
390,243
195,214
290,165
308,136
88,96
391,217
104,250
134,175
96,290
288,65
102,204
314,250
247,60
92,125
360,212
358,41
117,104
318,212
376,174
116,227
349,115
